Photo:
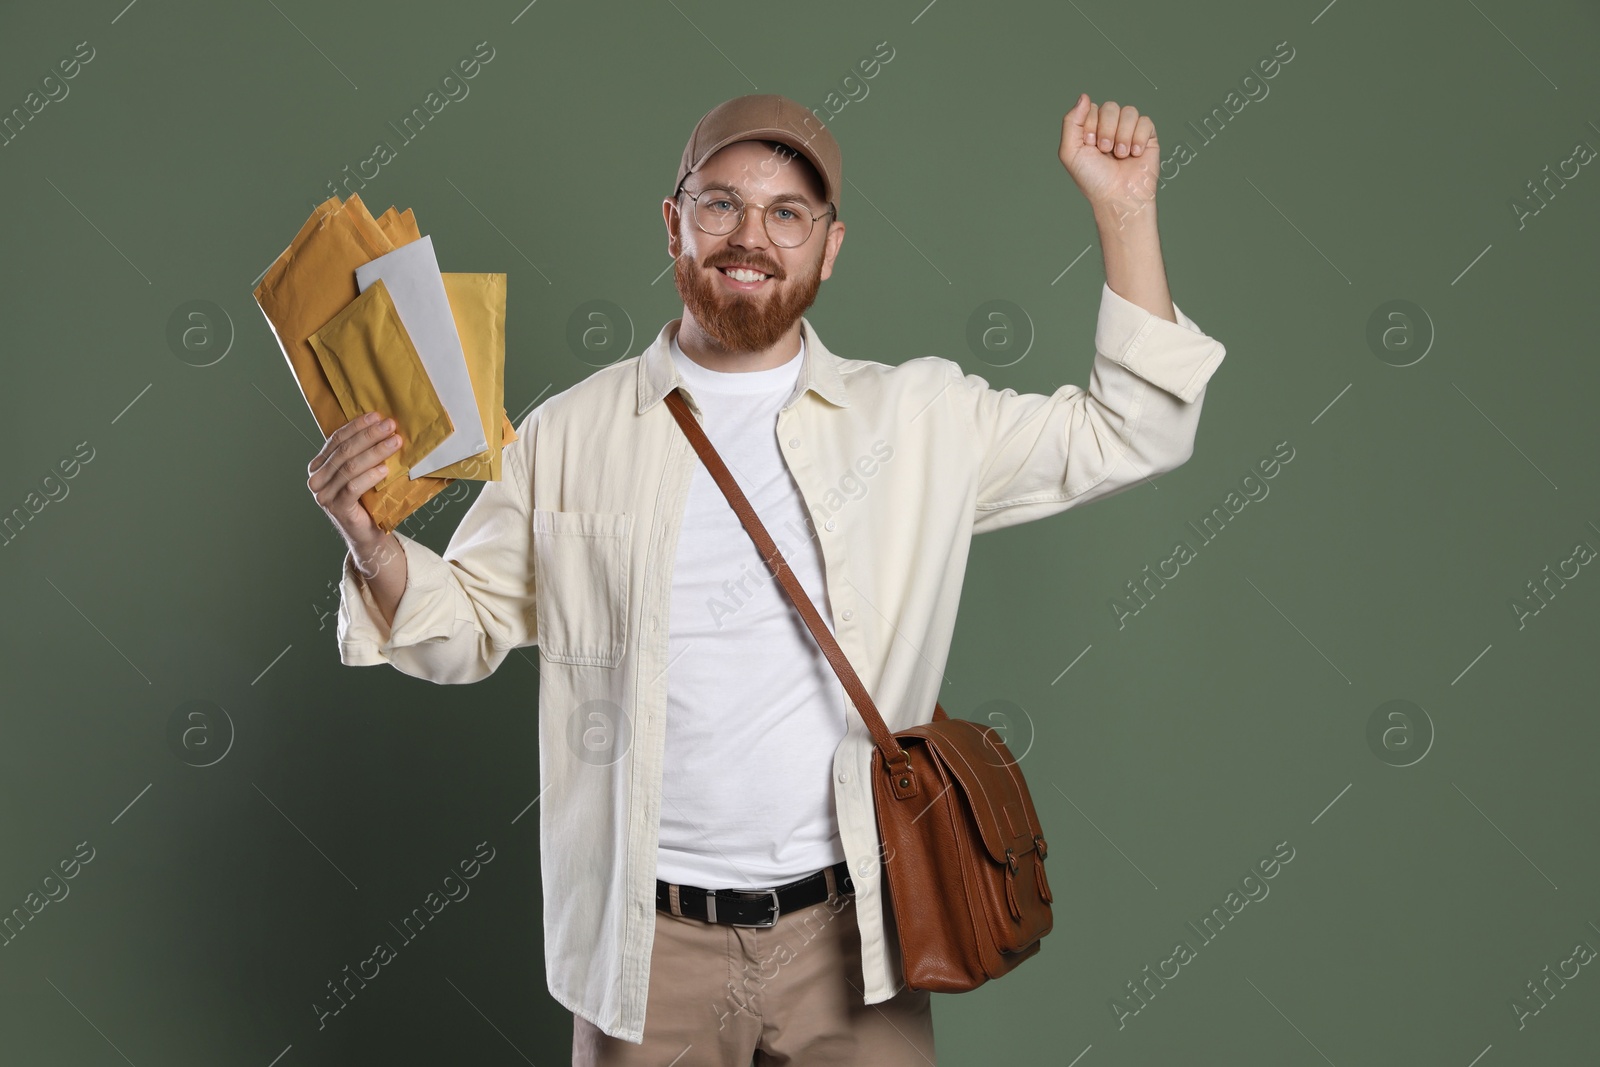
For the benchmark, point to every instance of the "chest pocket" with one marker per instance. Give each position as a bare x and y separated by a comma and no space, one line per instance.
582,585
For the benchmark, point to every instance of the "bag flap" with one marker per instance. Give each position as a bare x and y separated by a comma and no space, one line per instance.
980,763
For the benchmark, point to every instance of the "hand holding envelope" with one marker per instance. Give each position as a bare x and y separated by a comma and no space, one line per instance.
367,322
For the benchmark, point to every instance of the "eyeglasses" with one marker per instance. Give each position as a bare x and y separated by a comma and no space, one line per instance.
788,223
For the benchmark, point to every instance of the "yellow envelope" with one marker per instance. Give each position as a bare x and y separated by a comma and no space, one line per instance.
372,365
478,304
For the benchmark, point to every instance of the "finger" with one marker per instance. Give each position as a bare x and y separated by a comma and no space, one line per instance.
336,438
369,478
1127,118
376,455
353,458
348,494
344,442
1143,134
342,434
1089,123
1106,128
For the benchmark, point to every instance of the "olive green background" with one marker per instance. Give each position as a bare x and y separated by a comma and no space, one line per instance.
1442,859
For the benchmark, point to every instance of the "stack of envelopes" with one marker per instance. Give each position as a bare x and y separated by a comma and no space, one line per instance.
369,323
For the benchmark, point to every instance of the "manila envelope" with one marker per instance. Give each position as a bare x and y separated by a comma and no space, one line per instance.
478,305
372,365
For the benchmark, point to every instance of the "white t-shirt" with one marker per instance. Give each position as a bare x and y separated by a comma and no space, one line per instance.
754,710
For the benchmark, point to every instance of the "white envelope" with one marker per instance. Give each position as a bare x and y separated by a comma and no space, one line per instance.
411,274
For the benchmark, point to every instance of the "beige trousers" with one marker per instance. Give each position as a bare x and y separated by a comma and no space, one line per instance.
733,996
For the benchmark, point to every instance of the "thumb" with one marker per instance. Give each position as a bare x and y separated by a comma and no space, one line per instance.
1072,129
1072,125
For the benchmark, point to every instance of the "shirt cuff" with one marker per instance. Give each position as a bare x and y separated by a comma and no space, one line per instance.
1177,357
423,613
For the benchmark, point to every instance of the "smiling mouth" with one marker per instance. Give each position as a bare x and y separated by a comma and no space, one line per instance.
744,275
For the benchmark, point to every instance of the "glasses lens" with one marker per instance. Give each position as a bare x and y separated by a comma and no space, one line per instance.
716,211
788,224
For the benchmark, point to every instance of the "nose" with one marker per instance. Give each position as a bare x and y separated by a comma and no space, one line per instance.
752,231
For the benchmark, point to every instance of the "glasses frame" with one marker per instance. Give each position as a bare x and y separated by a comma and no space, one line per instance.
694,213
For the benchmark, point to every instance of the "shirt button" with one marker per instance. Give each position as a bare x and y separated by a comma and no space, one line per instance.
844,776
830,524
848,614
794,442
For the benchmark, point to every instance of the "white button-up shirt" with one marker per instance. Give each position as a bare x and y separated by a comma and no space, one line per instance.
573,548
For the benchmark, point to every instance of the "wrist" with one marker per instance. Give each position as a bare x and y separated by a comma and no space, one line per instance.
1119,215
369,557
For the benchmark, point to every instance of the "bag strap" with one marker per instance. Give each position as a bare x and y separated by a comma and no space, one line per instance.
893,754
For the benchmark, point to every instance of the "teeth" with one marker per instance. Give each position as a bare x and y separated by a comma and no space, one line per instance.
738,274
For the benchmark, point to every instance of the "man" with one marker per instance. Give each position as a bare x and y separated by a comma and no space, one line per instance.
711,865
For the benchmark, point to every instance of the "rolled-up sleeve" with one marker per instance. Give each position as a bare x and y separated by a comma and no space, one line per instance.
1041,454
462,613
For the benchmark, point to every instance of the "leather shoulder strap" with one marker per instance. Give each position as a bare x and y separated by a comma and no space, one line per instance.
887,745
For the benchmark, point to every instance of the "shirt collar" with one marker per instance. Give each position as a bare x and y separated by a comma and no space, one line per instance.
819,370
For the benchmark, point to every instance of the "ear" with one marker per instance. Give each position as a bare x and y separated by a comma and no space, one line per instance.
671,216
830,248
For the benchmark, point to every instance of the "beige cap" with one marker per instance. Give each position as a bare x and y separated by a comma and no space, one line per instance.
765,117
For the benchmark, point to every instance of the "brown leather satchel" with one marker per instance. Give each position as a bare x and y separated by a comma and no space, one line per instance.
962,848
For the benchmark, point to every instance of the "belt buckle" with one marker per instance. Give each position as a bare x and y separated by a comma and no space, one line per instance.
711,907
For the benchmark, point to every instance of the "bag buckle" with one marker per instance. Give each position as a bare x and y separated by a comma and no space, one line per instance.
770,921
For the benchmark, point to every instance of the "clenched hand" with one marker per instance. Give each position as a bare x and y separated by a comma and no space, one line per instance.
1111,152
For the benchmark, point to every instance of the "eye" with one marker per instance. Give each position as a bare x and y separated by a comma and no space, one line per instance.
792,214
721,203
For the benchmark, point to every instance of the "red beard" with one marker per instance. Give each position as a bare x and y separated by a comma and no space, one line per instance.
745,322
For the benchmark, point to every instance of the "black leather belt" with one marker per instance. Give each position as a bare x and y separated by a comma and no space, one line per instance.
753,907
